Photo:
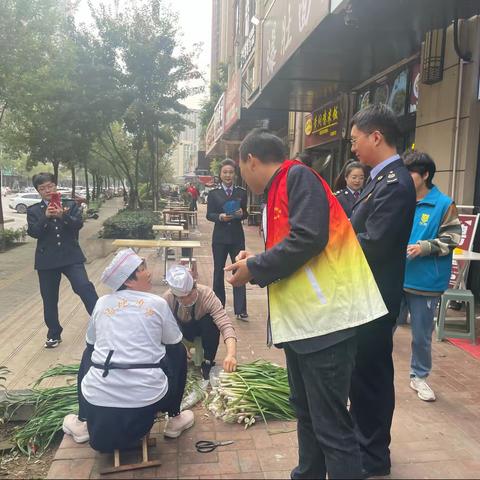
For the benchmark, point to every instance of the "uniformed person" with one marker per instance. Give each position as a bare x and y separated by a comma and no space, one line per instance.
58,252
382,218
228,237
354,179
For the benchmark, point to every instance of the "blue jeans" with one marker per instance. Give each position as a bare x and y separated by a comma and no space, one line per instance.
422,311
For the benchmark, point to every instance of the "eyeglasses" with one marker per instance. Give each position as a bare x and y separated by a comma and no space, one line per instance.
353,141
46,187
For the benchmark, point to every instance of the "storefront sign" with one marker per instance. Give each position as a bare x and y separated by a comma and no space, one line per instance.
248,47
232,102
209,138
218,118
323,125
414,86
287,24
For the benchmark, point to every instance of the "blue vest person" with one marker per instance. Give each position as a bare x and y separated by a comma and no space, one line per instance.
436,232
58,252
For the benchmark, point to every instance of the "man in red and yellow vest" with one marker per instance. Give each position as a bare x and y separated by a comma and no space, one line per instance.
320,288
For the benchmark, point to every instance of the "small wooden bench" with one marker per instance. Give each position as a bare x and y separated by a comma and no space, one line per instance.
145,463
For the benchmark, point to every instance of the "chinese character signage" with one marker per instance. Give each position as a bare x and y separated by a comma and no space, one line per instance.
218,119
323,125
209,139
287,24
232,102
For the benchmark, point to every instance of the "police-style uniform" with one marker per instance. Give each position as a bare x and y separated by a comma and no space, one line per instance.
382,218
228,239
346,199
58,252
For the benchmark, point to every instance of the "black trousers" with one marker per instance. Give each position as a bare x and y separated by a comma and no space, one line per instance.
193,205
49,289
319,385
372,394
82,371
206,329
117,427
220,253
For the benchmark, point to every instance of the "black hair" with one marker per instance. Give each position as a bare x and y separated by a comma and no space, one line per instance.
352,166
132,276
305,158
378,117
227,162
264,145
41,178
340,182
420,163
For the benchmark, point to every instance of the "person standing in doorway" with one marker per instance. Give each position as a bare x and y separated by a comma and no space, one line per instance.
58,253
382,219
319,289
227,207
354,180
436,232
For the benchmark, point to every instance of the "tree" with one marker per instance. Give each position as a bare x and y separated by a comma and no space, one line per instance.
157,74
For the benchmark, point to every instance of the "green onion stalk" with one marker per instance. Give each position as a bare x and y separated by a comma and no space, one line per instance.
255,390
50,405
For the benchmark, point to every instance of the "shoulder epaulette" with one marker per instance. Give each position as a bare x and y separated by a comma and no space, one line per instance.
392,177
242,188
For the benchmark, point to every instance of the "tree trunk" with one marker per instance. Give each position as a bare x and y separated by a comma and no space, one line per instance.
56,165
73,181
86,181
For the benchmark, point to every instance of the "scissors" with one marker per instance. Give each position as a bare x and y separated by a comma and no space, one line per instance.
205,446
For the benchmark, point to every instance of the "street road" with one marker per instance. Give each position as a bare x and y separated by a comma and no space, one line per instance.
19,220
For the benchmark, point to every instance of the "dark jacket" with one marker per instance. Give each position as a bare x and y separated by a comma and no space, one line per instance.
226,232
382,218
57,239
346,199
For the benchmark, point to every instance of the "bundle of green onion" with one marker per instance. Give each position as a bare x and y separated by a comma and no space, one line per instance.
258,389
50,405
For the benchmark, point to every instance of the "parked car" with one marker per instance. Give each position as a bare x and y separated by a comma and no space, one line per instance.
21,201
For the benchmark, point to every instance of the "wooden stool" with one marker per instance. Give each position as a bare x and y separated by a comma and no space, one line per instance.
145,463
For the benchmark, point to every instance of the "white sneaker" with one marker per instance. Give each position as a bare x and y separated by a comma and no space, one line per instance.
423,390
76,428
176,425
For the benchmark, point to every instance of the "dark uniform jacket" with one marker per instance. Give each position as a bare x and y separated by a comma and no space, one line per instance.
346,199
382,217
57,244
226,232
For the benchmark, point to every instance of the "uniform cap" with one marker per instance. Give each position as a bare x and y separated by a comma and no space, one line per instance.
179,280
124,263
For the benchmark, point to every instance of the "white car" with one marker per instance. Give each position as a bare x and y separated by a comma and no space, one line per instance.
23,200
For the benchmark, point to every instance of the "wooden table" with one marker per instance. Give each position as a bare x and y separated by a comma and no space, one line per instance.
190,216
165,244
169,229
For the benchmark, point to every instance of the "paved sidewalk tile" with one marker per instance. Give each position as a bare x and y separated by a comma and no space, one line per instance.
429,440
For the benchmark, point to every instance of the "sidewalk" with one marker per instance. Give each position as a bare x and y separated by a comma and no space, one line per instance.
429,440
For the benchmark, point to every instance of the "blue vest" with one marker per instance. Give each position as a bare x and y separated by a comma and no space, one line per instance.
430,273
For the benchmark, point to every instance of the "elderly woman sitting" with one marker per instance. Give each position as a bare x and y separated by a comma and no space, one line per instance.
199,313
138,365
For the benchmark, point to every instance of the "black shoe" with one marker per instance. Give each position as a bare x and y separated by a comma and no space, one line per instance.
52,342
243,317
379,472
206,366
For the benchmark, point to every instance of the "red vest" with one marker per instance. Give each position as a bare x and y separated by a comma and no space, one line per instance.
334,290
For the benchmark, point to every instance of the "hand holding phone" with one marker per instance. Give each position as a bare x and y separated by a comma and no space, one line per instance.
56,200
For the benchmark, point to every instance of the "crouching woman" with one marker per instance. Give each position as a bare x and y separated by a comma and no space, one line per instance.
138,366
200,313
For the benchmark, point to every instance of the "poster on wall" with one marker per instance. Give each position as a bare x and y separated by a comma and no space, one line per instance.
398,95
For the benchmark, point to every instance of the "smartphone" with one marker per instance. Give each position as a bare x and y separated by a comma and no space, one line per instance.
56,199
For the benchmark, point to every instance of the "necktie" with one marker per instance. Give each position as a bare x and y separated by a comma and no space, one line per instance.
228,191
356,195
